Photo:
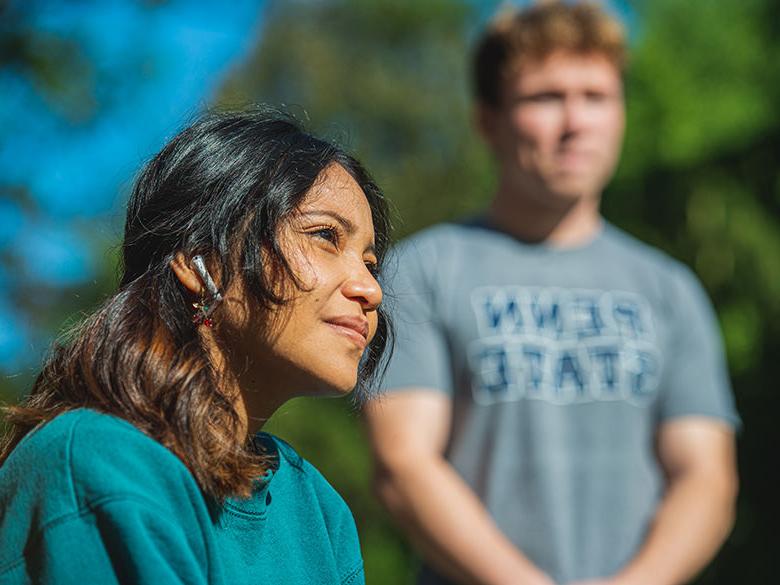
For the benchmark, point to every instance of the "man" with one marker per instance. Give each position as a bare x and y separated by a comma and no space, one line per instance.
558,407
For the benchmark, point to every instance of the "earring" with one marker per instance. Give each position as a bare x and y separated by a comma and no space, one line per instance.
205,307
202,312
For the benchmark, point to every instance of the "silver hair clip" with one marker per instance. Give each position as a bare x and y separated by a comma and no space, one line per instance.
205,306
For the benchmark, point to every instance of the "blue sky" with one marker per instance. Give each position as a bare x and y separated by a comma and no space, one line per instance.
151,68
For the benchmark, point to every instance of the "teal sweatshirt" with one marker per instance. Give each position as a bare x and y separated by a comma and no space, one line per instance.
88,498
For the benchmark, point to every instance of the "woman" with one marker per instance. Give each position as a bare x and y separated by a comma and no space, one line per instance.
250,256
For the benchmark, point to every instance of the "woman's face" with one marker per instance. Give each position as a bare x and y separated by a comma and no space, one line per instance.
313,343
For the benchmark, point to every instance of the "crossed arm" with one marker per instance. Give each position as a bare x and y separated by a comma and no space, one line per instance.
455,533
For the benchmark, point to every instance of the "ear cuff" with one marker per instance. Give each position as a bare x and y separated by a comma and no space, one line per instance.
206,305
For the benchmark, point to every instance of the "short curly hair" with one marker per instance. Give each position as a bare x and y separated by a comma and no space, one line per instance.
515,37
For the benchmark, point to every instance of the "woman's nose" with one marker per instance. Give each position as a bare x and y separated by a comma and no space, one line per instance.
364,288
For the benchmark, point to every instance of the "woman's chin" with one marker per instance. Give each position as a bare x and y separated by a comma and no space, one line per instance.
334,386
344,388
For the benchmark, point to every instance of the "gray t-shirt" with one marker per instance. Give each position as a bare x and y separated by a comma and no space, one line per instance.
560,365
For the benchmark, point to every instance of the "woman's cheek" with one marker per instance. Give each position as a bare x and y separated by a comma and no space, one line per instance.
373,323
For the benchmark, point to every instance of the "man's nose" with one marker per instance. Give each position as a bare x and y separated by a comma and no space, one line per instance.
575,114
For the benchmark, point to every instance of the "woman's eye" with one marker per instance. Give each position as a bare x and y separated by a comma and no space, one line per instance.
373,268
328,234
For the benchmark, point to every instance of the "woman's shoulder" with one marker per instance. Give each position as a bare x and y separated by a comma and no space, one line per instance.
86,477
82,458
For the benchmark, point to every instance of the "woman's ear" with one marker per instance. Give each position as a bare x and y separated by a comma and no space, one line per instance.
186,275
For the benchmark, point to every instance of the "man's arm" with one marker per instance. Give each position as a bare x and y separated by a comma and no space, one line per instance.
430,501
697,512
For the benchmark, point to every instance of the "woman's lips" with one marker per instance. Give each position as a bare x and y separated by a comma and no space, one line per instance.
354,328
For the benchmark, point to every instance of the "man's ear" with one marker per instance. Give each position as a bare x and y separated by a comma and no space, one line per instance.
186,275
486,121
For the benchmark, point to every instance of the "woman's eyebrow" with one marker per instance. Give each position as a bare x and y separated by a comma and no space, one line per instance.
348,226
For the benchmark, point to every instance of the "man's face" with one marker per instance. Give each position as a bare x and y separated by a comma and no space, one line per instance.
558,130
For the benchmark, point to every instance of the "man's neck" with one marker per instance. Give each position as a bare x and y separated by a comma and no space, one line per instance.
531,220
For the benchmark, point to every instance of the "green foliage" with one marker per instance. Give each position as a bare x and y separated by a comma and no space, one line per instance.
698,80
701,157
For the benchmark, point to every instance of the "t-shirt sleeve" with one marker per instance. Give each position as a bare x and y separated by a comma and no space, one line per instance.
696,380
118,540
420,356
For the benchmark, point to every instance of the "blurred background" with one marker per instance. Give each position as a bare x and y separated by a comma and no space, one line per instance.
90,90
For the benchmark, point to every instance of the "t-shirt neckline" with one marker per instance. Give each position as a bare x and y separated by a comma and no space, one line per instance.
256,505
545,248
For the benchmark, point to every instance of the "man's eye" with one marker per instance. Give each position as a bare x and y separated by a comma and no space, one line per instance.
543,97
596,96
